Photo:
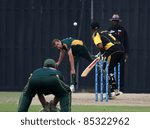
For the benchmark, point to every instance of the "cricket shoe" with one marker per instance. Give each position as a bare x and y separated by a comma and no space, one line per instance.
112,95
109,97
117,93
120,92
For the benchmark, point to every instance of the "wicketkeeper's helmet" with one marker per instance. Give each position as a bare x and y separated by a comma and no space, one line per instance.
95,26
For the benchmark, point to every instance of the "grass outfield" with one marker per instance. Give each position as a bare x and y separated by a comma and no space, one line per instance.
8,103
81,108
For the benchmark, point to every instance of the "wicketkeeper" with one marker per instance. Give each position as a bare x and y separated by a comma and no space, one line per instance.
46,80
111,49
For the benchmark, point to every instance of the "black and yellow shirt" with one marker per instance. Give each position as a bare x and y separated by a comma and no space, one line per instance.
103,37
68,42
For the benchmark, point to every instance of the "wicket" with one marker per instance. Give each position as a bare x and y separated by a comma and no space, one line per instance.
103,77
103,80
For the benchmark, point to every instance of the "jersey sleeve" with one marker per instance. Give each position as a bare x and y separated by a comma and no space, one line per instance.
60,75
66,43
97,38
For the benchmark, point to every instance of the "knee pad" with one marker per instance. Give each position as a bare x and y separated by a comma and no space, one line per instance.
112,81
111,78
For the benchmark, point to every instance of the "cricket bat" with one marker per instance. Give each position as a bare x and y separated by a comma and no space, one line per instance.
89,67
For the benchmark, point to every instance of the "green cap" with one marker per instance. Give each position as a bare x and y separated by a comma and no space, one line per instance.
49,63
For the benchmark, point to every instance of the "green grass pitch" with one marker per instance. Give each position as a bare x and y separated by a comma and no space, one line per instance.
8,103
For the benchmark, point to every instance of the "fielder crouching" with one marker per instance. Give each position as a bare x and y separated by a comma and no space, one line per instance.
46,80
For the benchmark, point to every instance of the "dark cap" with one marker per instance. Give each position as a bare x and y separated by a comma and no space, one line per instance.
95,25
49,63
115,17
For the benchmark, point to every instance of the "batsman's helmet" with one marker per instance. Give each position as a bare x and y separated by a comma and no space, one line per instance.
49,63
115,17
95,26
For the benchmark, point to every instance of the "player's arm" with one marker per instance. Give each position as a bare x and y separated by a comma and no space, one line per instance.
73,75
61,57
98,42
30,76
60,76
42,99
44,103
100,47
71,60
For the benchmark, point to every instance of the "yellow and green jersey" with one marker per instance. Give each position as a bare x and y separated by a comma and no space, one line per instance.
105,38
69,42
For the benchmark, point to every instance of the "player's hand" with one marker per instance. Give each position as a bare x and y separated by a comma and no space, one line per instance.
103,57
57,65
97,55
30,76
125,57
72,88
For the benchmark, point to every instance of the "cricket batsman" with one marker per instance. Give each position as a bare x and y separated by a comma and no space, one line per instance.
46,80
111,50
